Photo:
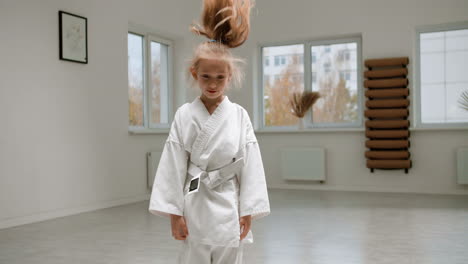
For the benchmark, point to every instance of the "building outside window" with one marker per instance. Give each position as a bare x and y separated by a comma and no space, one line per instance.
336,81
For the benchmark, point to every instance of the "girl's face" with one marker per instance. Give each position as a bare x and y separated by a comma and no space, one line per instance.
212,77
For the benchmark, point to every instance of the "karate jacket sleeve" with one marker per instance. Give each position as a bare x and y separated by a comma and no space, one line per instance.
253,189
167,195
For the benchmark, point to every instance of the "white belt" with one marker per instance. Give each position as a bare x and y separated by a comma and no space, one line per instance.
214,178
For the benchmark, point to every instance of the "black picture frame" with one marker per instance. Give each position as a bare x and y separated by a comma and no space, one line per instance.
73,37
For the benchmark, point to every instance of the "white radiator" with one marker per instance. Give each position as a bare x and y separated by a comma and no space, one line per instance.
152,162
303,164
462,166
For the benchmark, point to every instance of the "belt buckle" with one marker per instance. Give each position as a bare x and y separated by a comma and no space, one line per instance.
194,185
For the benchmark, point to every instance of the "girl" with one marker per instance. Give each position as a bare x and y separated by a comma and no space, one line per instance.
210,180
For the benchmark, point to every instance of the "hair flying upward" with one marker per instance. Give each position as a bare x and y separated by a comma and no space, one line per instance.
226,23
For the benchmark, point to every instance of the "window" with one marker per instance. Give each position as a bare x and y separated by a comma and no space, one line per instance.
442,75
267,61
136,78
327,67
344,55
339,105
285,79
277,60
337,82
281,60
149,78
345,75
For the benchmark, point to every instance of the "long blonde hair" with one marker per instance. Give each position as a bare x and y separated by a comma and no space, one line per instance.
226,23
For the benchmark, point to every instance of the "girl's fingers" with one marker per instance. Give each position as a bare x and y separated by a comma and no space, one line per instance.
244,229
248,224
183,231
184,227
179,230
180,236
245,223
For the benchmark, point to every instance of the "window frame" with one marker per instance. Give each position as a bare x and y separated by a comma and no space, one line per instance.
148,37
418,124
307,66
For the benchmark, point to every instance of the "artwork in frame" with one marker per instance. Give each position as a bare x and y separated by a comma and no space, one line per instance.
73,36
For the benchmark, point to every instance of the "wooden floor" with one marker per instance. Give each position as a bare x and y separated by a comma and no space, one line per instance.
316,227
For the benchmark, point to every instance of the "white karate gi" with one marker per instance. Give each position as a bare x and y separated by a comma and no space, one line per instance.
223,151
195,253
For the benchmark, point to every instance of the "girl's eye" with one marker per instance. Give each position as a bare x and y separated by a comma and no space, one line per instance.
220,77
205,76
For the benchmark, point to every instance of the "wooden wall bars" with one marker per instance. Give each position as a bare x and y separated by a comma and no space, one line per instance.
387,124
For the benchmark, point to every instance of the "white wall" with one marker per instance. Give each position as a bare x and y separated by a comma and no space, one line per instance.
64,145
388,30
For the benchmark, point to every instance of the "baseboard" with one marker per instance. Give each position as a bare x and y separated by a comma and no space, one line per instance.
22,220
362,189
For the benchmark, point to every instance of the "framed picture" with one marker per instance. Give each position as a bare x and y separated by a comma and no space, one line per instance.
73,36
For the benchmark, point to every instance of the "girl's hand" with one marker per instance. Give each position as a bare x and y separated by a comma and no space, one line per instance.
179,228
245,222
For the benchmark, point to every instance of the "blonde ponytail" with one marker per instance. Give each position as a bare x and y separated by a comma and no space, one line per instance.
226,23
